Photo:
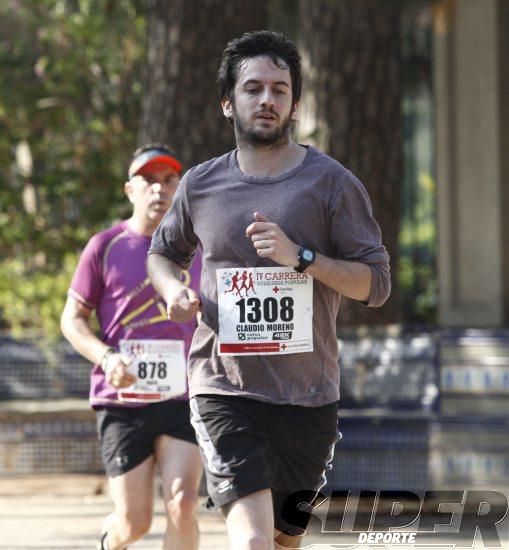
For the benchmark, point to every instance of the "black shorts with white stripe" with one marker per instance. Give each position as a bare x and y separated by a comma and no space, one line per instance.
248,445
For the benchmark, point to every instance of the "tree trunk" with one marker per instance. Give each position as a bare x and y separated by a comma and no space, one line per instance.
351,109
185,39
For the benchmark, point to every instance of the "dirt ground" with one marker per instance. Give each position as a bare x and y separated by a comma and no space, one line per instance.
46,512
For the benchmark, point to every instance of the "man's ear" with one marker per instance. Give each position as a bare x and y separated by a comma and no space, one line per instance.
128,190
227,106
294,115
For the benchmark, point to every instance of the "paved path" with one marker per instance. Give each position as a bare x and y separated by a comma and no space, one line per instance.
65,512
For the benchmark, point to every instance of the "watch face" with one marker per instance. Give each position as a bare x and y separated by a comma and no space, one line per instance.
307,255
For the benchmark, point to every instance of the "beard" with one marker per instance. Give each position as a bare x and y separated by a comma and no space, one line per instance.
255,137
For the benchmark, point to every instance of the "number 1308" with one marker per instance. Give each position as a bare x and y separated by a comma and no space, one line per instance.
269,308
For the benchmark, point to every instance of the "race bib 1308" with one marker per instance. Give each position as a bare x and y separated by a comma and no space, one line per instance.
264,310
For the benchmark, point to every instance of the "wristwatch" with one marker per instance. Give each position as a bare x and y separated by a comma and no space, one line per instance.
306,257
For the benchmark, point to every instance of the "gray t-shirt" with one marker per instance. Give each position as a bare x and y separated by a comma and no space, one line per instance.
318,204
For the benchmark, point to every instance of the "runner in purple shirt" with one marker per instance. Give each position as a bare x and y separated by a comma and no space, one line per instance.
140,429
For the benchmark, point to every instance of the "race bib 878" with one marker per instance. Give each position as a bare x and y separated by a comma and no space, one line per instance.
264,310
159,367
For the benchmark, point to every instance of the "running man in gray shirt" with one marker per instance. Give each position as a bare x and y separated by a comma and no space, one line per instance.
285,231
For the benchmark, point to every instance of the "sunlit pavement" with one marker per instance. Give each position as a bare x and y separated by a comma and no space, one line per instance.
65,512
72,522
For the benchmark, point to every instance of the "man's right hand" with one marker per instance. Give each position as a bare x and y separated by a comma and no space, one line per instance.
116,371
182,304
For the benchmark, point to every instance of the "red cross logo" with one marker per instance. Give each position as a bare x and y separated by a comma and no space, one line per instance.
283,347
275,289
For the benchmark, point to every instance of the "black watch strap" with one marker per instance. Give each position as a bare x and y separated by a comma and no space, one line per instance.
306,257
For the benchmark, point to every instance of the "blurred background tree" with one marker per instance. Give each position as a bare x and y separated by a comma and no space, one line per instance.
418,285
69,107
352,55
368,103
84,81
180,105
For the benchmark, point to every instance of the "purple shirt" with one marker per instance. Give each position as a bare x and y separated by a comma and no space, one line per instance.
111,277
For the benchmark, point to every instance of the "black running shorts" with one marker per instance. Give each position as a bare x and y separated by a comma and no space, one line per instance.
127,435
249,445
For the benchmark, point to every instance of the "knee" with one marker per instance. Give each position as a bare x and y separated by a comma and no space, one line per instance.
135,525
250,540
256,541
182,509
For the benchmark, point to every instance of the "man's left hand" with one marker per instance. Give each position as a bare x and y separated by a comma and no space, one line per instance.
271,241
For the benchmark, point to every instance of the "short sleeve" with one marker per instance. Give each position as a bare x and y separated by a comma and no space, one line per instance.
357,236
175,238
87,283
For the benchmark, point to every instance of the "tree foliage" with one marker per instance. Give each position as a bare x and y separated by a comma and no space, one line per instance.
69,103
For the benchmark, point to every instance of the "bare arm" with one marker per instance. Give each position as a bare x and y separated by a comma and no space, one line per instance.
75,325
182,302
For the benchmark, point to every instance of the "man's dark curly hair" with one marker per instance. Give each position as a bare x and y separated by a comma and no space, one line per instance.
251,44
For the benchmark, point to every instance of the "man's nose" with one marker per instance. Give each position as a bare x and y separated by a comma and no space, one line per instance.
156,186
267,98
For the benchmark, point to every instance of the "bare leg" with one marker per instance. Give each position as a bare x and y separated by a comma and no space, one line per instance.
181,469
250,522
132,495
